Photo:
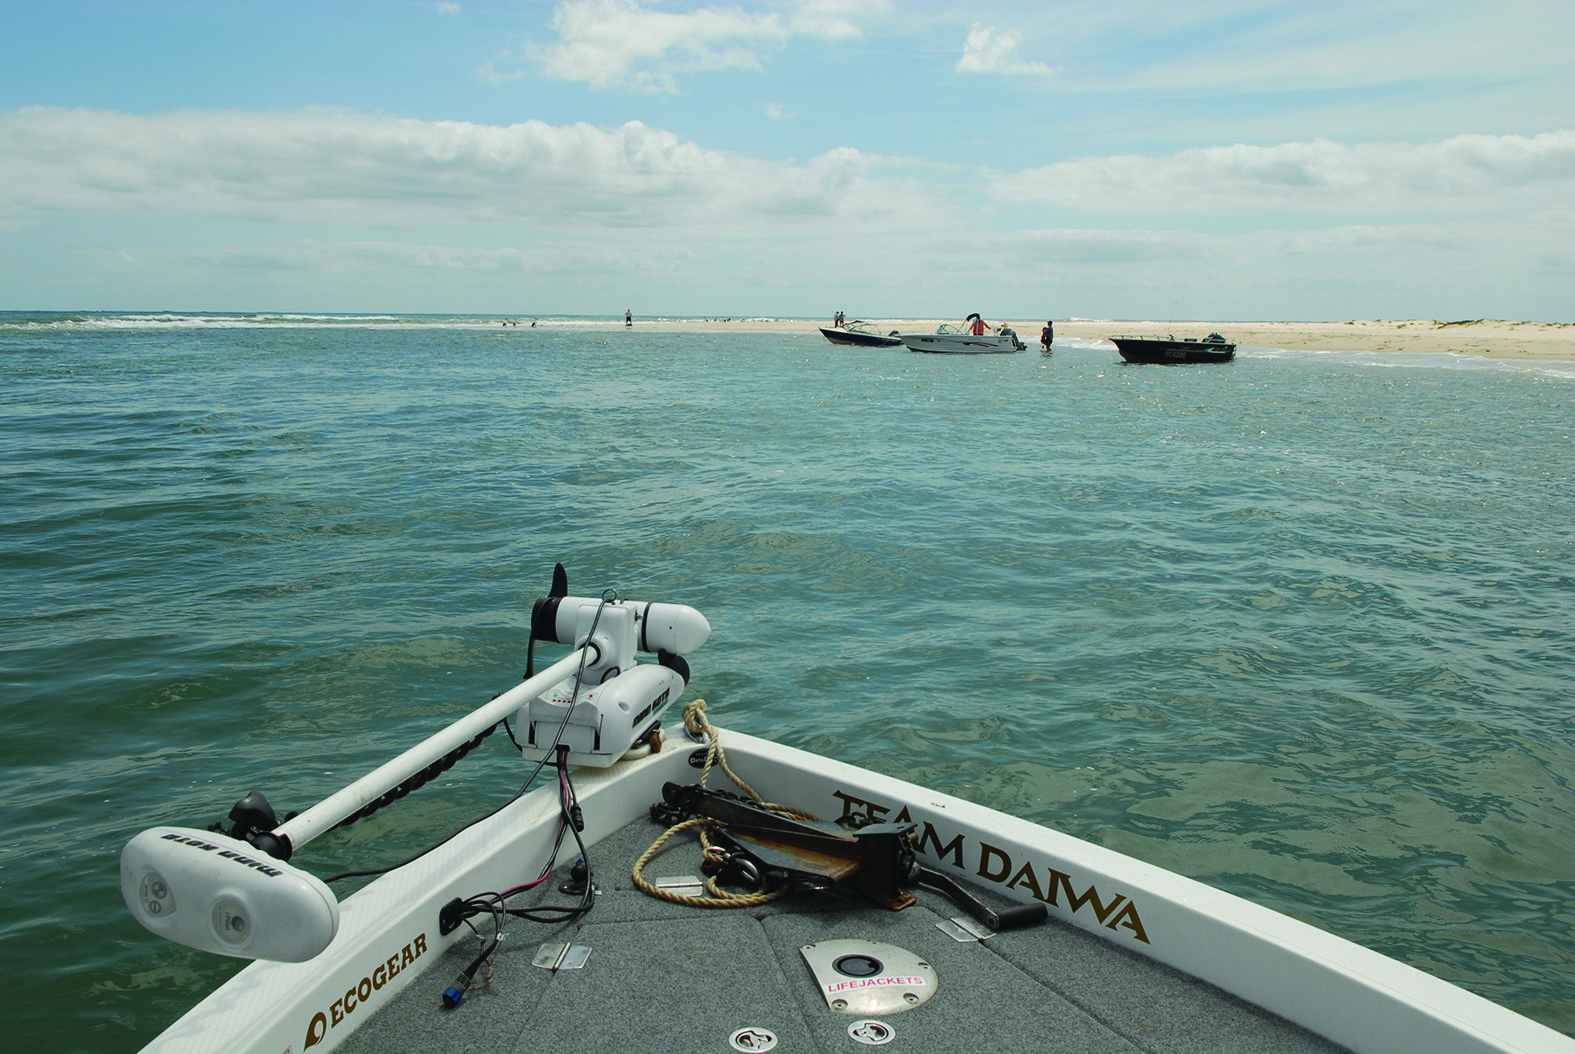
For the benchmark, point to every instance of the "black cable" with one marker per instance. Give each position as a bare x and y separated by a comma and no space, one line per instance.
481,903
455,993
570,818
574,822
442,841
579,677
420,779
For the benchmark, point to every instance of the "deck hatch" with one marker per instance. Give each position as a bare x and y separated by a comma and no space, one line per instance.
869,979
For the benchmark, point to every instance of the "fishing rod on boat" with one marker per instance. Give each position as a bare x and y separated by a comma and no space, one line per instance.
237,894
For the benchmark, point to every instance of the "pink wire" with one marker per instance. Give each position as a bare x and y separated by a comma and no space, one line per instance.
563,792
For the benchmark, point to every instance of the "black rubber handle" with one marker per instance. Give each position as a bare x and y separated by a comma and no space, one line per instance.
1011,918
1024,915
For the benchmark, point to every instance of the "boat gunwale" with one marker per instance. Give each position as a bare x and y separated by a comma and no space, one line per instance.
1351,995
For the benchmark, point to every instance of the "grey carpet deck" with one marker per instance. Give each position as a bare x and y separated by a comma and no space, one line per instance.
665,978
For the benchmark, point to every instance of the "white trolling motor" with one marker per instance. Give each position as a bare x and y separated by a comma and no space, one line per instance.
611,703
235,894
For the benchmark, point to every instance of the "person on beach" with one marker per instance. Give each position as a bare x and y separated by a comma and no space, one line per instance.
1047,335
628,318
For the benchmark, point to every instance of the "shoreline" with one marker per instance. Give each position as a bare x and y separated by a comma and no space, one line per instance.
1485,338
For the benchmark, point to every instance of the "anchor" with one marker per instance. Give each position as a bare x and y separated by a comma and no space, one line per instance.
877,859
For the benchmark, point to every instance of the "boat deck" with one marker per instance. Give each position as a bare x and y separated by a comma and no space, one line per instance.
672,978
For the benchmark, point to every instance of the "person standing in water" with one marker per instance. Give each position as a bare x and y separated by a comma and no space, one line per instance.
628,318
1047,335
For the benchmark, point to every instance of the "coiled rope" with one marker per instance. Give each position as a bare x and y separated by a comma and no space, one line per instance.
697,724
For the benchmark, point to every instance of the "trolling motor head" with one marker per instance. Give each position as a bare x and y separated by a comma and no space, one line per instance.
613,701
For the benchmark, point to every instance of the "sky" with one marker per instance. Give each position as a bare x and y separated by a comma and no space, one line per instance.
1125,159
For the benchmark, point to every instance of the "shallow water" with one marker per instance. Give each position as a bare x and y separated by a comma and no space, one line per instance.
1298,626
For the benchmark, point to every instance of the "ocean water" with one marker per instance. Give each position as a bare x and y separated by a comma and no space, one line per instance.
1299,626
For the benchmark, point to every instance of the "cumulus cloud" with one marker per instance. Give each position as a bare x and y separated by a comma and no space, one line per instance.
627,44
346,168
989,50
1317,176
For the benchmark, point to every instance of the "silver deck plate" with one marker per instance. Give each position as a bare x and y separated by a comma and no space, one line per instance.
963,930
869,979
561,956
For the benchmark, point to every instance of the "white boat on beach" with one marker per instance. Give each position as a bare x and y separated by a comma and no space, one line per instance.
972,337
567,920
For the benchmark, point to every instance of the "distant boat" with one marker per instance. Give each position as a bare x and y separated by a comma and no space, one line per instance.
952,339
1169,350
861,334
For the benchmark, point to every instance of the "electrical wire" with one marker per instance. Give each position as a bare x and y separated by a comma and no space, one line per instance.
570,819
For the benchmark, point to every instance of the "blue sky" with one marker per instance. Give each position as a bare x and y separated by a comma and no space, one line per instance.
1131,159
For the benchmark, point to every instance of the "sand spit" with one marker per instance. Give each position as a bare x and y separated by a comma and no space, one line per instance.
1484,337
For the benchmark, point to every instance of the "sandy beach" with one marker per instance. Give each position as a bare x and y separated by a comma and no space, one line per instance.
1484,337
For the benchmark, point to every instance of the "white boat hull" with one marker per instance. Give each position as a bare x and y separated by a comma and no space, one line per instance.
963,343
388,934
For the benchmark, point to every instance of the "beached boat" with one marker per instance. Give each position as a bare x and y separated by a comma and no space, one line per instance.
913,916
861,334
966,339
1169,350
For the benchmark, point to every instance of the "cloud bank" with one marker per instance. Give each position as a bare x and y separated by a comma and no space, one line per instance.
324,207
348,168
386,172
1503,173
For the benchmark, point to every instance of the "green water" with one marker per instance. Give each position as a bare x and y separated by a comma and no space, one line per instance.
1298,626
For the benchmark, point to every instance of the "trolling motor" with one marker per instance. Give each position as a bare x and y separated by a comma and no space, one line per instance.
233,891
612,702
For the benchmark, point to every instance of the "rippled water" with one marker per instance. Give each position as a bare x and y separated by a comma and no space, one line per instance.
1298,626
